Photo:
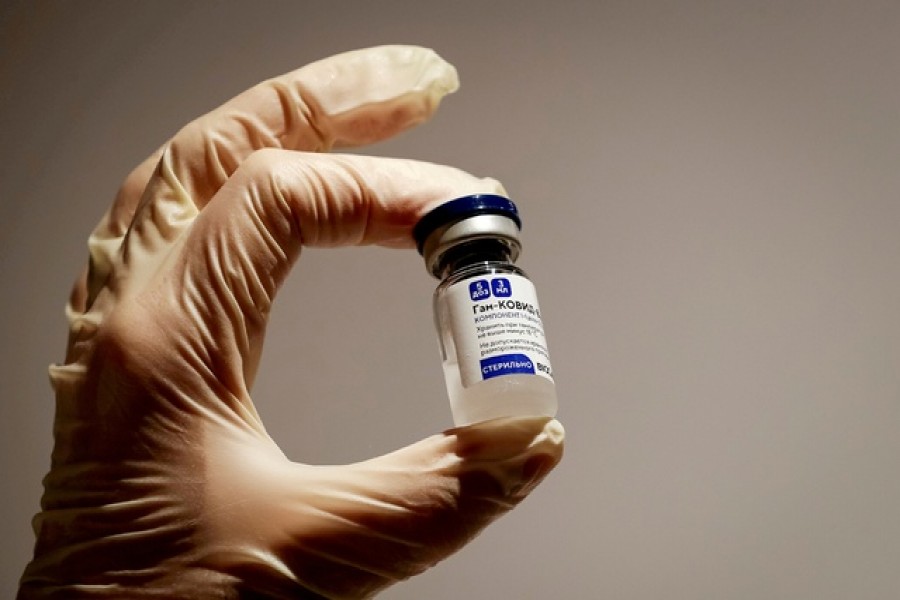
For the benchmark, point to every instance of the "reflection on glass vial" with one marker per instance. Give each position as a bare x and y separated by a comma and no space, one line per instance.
486,311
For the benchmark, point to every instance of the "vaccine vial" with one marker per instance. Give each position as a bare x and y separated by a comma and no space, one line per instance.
488,320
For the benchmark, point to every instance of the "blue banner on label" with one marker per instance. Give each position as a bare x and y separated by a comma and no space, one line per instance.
506,364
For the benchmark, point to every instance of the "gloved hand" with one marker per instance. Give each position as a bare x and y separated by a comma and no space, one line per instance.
163,482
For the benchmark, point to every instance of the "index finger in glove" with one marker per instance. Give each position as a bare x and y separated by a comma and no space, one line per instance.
349,99
234,258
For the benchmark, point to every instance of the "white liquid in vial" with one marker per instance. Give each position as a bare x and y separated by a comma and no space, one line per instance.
506,396
492,347
510,395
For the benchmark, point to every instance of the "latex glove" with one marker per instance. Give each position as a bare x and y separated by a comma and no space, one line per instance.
163,481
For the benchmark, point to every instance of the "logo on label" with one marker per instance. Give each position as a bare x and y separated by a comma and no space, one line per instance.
506,364
501,287
479,290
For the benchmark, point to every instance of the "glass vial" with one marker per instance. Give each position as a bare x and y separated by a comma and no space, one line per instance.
486,311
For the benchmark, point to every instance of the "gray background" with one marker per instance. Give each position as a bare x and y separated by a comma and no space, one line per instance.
710,195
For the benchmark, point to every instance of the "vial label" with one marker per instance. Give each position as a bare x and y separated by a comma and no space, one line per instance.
495,322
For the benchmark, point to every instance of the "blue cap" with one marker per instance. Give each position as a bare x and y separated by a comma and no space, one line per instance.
463,208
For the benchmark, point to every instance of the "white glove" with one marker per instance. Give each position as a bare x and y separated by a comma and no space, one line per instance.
164,483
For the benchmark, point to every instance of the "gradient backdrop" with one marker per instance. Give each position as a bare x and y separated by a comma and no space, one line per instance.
710,195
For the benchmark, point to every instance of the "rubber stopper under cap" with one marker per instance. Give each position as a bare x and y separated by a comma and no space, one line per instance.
463,208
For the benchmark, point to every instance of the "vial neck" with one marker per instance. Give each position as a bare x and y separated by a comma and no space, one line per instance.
474,252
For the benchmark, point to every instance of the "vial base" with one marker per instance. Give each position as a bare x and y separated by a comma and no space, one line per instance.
505,396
